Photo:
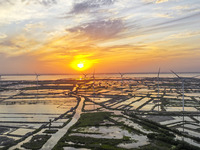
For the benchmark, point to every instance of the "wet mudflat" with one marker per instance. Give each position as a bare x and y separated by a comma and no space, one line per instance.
125,114
25,107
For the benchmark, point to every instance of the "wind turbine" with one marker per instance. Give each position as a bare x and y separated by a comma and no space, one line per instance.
36,78
183,101
137,82
183,86
93,76
85,75
0,86
0,80
121,74
158,77
122,82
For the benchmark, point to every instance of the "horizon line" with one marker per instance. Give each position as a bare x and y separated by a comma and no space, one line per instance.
31,74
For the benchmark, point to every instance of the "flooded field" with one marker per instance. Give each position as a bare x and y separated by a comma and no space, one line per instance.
130,112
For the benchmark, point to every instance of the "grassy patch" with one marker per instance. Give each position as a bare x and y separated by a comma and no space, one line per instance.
86,120
3,130
88,142
50,131
92,119
36,142
110,147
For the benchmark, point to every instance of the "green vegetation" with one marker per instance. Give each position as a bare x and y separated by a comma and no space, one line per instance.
176,144
155,146
23,138
110,147
3,129
126,138
89,142
5,141
50,131
92,119
36,142
163,138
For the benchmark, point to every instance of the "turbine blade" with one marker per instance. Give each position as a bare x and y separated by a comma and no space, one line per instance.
195,76
176,74
85,75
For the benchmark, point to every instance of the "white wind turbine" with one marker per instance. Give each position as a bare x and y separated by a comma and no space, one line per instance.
158,78
36,78
122,81
183,89
183,101
0,80
0,84
85,77
122,75
93,76
183,84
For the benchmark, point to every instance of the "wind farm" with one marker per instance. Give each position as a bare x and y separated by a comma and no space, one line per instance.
131,119
99,75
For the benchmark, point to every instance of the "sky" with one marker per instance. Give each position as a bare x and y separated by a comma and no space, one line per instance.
53,36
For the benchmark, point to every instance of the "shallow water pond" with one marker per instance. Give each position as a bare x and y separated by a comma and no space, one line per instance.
139,103
130,123
21,131
180,109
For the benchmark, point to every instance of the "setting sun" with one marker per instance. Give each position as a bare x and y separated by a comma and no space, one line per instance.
81,65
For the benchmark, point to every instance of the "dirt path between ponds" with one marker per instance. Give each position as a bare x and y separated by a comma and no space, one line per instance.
61,132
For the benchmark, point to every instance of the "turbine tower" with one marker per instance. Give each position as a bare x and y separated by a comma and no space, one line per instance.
0,85
36,78
183,82
183,86
93,76
0,80
85,75
183,101
158,77
121,75
122,82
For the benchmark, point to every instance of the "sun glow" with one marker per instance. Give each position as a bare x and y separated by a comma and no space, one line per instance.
81,65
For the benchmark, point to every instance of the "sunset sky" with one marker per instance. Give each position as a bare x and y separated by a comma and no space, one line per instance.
51,36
